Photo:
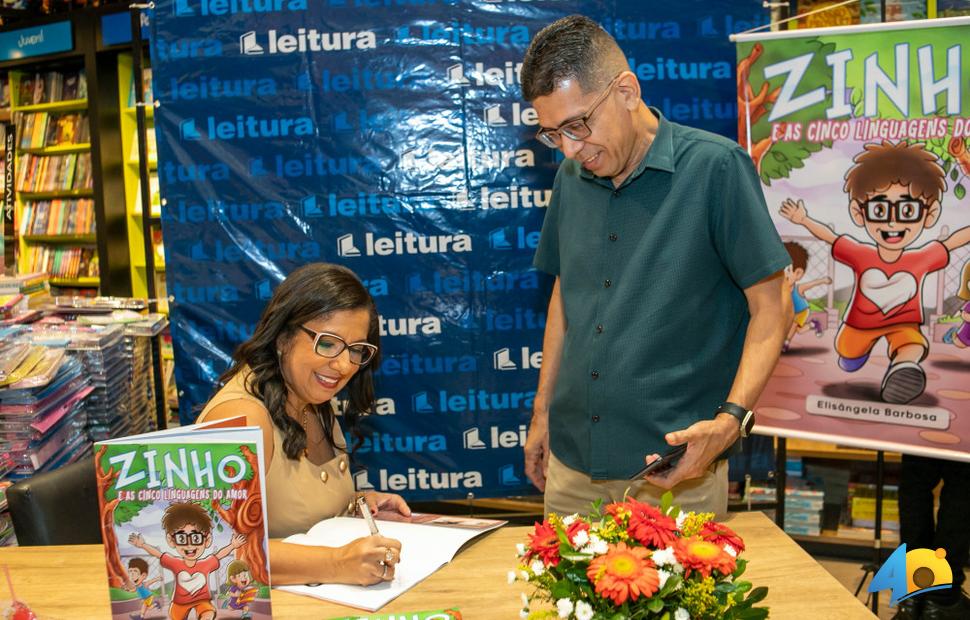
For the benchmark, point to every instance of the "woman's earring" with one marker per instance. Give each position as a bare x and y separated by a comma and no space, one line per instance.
279,353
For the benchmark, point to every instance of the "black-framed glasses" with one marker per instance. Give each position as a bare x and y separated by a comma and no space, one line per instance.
905,211
577,128
330,345
188,538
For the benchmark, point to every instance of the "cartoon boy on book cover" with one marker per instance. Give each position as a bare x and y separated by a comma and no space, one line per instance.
188,530
894,195
141,585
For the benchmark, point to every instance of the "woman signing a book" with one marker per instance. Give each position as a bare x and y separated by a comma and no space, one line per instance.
318,335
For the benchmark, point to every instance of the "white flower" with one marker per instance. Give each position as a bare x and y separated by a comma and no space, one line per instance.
520,549
538,567
580,539
525,575
567,521
661,574
597,545
681,614
511,576
565,607
680,520
584,611
666,557
730,551
523,613
525,600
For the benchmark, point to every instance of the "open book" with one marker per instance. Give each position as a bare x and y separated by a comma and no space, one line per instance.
428,542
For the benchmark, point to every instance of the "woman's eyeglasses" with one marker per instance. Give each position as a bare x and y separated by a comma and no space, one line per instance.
331,345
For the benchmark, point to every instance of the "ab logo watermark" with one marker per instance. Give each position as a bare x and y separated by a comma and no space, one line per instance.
913,573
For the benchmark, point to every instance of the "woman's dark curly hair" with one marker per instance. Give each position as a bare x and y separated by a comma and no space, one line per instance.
310,292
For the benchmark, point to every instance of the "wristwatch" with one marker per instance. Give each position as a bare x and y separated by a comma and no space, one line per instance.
745,416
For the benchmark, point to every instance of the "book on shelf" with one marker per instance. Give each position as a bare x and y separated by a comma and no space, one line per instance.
52,86
154,192
63,262
58,217
151,146
148,97
43,129
53,173
183,520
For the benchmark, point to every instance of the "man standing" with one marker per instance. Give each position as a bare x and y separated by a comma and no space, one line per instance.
668,313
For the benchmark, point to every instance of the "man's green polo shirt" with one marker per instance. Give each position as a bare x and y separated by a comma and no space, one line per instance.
652,277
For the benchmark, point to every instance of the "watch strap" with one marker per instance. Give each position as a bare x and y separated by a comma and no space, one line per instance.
745,417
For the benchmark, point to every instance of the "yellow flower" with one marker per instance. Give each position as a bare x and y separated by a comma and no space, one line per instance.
699,600
695,521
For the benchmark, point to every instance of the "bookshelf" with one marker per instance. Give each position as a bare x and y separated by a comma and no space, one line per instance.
53,177
140,272
67,176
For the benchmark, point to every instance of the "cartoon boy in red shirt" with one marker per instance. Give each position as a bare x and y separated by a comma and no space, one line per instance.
188,530
894,194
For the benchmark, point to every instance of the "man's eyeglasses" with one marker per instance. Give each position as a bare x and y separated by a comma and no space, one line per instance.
904,211
576,129
188,538
332,345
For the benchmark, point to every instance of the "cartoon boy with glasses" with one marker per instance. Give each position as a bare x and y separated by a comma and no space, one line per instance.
188,530
894,194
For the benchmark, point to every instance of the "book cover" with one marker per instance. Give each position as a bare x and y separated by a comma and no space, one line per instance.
182,518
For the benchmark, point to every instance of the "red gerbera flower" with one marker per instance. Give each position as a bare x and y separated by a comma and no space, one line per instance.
623,573
721,535
650,527
697,554
544,543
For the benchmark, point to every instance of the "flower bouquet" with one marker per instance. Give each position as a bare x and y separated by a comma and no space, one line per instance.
633,560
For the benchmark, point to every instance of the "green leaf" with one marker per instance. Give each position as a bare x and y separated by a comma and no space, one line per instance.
672,582
566,552
757,595
561,589
955,173
739,569
655,604
946,165
742,586
959,191
725,586
666,501
755,613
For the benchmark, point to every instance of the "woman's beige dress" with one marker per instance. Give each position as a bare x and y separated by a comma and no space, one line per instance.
298,492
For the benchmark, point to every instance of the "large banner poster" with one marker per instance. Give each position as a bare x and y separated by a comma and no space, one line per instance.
390,136
861,138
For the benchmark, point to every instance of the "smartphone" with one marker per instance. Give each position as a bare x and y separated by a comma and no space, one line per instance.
662,464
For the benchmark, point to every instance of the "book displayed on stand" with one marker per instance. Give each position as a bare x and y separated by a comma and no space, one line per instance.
53,177
183,520
428,542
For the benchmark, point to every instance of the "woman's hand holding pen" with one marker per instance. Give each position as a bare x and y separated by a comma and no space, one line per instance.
370,560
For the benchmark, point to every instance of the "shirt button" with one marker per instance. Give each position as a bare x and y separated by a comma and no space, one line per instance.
342,466
324,476
613,237
616,193
596,418
608,283
599,329
595,374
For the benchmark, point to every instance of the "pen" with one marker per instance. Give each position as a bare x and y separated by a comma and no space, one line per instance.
365,512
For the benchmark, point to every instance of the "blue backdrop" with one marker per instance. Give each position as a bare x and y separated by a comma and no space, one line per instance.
390,136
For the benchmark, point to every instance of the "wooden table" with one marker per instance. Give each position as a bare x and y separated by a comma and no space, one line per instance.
70,582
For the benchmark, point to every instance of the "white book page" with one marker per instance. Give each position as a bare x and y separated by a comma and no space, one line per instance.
424,549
